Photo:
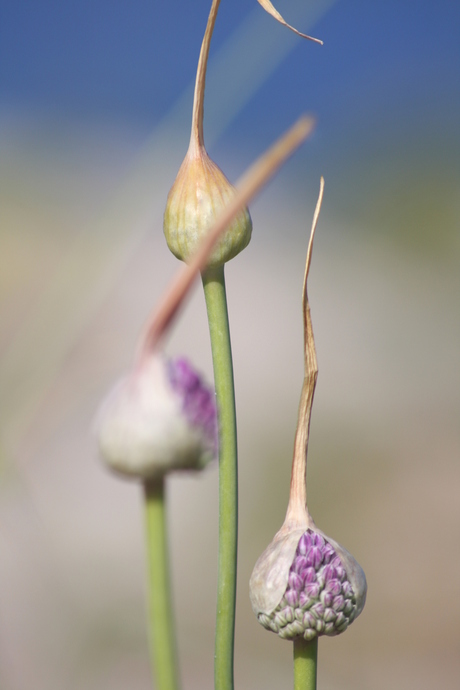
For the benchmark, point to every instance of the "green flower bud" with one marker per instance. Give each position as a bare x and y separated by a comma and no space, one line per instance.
198,194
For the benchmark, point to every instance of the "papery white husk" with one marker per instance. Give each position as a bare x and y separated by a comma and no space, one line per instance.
269,578
141,428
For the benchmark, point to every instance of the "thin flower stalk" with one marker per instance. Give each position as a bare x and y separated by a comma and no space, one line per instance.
216,304
305,664
162,639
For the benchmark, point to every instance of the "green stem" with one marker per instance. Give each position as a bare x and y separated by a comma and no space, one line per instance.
216,304
305,662
161,619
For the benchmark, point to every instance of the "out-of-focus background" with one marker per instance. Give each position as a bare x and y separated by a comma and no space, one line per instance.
95,102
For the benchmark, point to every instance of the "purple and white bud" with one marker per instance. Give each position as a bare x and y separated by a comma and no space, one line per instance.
303,569
323,598
159,418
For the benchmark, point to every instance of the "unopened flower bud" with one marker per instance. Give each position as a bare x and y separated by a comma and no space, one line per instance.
159,418
323,598
198,194
305,584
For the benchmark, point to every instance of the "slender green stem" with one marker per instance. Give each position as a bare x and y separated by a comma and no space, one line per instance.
305,662
216,304
161,619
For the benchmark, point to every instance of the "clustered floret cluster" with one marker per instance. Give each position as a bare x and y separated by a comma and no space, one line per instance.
319,599
197,399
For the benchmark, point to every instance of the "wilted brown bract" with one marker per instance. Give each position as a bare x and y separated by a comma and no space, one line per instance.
298,496
268,7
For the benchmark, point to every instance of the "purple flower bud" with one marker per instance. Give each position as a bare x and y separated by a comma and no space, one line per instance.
334,587
198,400
328,553
300,564
326,598
340,620
330,573
295,581
183,378
338,603
314,557
341,574
320,596
299,614
347,589
292,597
309,620
336,562
288,614
308,575
317,540
317,610
160,418
304,543
329,615
305,601
320,626
312,590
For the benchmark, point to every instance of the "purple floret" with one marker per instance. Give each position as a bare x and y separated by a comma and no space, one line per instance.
198,399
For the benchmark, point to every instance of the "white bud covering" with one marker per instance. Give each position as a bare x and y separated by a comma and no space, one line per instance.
142,429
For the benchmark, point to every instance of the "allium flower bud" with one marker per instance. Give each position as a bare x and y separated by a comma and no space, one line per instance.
305,584
201,189
199,193
159,418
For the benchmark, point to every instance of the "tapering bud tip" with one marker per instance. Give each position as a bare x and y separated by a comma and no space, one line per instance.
198,194
159,418
323,587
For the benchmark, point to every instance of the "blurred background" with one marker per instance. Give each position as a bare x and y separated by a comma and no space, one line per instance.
95,104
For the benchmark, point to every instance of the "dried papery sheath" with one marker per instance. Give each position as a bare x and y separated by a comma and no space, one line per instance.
159,418
201,189
268,7
305,584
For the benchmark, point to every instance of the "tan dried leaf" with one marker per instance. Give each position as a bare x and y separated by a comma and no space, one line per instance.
268,7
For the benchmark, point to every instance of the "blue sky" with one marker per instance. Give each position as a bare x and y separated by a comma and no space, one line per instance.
130,60
384,88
